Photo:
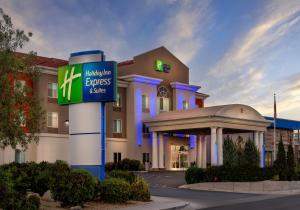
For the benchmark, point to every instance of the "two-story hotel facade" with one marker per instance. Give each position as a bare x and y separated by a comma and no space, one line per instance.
159,118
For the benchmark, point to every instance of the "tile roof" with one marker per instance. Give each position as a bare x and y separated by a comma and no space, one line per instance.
46,62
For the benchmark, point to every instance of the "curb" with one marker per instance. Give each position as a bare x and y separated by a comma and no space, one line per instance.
177,207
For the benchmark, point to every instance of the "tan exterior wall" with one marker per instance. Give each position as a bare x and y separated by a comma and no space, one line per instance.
113,113
144,65
50,104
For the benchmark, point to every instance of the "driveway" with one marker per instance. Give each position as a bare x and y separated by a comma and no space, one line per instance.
165,184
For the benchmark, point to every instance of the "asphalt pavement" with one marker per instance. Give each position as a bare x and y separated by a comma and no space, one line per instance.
165,184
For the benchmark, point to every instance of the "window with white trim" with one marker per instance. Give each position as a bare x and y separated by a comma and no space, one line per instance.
19,156
52,119
145,102
117,126
19,85
52,90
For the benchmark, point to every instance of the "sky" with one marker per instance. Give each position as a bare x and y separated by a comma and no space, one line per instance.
237,51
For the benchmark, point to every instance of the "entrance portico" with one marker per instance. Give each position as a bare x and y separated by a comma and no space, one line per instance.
209,125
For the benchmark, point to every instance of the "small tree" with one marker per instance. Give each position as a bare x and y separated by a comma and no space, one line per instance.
290,162
280,163
250,156
230,157
20,110
240,150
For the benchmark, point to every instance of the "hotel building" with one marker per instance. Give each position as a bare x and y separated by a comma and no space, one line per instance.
159,118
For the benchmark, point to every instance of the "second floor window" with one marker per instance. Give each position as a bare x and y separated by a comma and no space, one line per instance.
185,105
164,104
52,90
118,100
145,102
117,126
52,119
19,85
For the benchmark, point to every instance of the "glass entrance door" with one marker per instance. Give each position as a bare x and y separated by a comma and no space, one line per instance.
179,157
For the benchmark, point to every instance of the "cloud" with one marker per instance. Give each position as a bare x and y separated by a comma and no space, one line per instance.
66,32
183,28
279,18
243,74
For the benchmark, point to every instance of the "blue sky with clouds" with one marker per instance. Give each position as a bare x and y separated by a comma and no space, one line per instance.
238,51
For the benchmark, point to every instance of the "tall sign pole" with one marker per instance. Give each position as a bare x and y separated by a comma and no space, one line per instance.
86,85
275,116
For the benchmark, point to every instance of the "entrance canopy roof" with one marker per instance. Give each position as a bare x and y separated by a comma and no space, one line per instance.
232,116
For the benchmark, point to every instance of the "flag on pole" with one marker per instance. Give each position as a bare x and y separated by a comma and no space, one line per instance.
275,110
275,116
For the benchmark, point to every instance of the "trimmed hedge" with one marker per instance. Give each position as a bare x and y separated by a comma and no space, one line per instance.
126,165
228,174
128,176
115,190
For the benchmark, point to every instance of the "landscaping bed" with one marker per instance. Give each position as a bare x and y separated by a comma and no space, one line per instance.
22,185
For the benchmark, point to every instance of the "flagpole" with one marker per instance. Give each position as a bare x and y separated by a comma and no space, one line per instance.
275,115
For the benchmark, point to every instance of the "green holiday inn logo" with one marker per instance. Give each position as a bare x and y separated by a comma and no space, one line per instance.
70,84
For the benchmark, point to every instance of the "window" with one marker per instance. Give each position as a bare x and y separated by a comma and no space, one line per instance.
185,105
20,85
146,158
164,104
117,157
19,156
52,90
118,100
145,103
52,119
117,126
22,119
145,128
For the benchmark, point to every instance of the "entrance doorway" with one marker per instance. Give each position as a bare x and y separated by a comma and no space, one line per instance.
179,157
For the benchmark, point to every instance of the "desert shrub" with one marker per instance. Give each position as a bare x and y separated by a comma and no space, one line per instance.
74,188
32,203
194,175
128,176
140,190
115,190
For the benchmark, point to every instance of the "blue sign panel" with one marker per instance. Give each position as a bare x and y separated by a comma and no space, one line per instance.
99,81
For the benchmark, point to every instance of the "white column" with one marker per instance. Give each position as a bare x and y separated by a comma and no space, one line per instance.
213,140
203,151
199,151
154,150
261,151
220,146
161,163
256,139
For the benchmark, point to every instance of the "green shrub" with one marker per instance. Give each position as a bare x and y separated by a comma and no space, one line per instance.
140,190
280,163
290,163
74,188
32,203
194,175
111,166
129,176
41,182
130,164
115,190
229,174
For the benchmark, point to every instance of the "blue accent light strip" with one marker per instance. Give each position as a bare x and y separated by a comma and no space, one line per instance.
138,117
102,139
91,52
263,156
92,169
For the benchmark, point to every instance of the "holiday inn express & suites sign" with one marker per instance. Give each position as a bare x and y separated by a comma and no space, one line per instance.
87,82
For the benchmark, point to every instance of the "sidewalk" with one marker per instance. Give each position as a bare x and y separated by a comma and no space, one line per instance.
161,203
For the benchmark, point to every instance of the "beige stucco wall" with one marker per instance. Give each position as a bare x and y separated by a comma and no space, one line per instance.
115,145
